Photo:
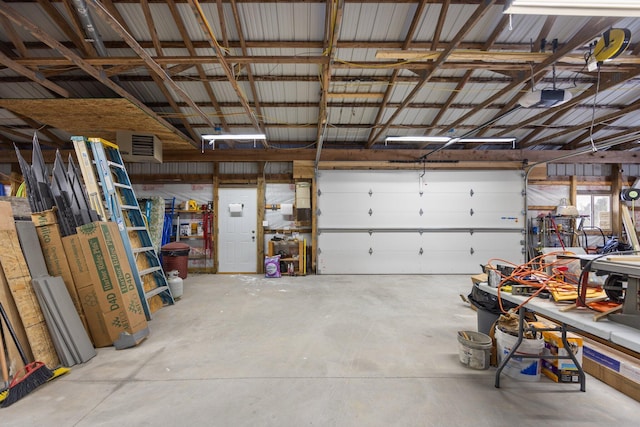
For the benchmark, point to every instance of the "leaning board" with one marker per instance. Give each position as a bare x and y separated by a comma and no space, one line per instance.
18,278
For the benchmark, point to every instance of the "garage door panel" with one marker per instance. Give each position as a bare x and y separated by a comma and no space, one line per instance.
464,252
363,181
467,219
463,182
364,211
376,253
491,203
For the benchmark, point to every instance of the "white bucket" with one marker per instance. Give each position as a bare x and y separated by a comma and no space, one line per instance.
474,349
520,368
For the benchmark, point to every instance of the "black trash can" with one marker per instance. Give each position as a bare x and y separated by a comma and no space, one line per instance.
175,256
488,308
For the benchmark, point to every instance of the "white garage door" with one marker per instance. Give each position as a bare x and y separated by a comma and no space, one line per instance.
410,222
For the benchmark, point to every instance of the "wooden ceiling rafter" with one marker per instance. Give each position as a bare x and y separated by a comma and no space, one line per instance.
37,32
359,104
631,134
535,79
113,22
478,13
252,83
223,25
405,45
112,61
18,134
312,44
308,78
333,22
208,31
151,26
600,123
586,34
67,28
14,37
607,84
467,75
146,10
177,18
34,76
36,126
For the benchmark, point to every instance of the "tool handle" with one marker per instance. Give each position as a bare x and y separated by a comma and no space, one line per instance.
3,360
23,356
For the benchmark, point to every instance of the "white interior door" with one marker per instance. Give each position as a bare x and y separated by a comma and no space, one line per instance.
237,221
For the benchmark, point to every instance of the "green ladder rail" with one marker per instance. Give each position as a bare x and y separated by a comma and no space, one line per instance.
121,206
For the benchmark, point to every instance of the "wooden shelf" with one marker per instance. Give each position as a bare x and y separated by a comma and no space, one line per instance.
291,249
193,221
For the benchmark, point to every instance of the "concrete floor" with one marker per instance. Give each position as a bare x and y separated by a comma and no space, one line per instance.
242,350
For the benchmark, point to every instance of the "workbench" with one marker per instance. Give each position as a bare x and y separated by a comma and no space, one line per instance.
624,266
577,320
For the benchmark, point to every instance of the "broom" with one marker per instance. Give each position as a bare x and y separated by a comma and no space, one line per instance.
32,376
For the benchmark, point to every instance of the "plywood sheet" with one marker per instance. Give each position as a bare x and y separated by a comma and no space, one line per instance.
99,117
18,279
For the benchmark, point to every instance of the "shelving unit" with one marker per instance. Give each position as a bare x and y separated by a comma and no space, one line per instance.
194,227
556,231
291,251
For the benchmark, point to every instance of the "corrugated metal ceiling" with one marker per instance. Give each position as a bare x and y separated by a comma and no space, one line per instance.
277,55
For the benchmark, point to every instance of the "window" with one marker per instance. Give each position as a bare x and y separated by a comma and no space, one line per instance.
598,209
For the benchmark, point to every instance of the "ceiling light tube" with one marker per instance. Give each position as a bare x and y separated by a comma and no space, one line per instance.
248,137
446,139
417,139
488,140
623,8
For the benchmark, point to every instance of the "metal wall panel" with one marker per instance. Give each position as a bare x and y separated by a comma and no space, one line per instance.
410,222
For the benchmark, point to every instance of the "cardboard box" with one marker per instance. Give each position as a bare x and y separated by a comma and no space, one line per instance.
77,262
559,375
115,312
619,370
553,346
55,257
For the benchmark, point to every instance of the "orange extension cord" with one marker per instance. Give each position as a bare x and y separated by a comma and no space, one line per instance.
527,274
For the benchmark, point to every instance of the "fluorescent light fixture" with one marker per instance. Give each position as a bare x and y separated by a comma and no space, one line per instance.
484,140
449,141
623,8
222,137
417,139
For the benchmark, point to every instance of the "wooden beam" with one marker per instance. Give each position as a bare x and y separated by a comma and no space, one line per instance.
600,123
594,27
63,25
153,66
417,16
480,11
202,75
99,75
486,159
363,95
252,83
13,36
566,107
332,23
311,59
200,17
148,17
33,76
